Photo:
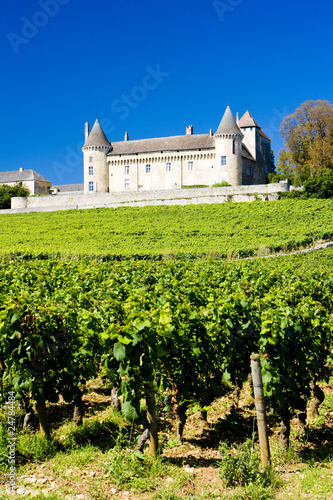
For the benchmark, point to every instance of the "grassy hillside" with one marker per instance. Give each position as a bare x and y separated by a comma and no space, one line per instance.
221,230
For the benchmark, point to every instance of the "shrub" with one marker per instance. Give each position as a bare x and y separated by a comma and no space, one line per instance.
8,192
221,184
319,186
241,469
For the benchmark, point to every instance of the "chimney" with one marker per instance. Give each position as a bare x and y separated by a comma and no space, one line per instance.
211,132
86,131
189,130
126,138
237,117
21,169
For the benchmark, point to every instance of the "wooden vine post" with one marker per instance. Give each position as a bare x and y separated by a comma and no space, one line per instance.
151,417
260,409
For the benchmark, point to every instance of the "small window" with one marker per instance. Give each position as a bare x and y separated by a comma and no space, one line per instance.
127,170
127,184
251,171
190,166
147,169
233,146
223,160
244,169
90,159
91,186
91,170
168,167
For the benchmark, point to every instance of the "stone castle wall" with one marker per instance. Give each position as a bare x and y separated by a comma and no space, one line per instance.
166,197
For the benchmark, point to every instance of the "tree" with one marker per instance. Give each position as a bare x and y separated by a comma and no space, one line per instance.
308,140
7,192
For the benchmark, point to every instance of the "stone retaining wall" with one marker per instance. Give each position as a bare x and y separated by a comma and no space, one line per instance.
166,197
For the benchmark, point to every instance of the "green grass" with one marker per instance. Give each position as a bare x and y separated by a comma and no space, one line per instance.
227,229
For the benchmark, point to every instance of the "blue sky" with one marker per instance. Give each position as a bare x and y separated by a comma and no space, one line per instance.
151,68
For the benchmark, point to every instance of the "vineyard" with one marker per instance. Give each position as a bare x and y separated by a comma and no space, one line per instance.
218,230
176,330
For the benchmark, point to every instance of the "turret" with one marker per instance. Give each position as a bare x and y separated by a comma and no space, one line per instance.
258,144
95,149
228,149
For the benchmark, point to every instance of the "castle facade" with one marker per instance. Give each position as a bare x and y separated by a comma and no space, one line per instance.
238,153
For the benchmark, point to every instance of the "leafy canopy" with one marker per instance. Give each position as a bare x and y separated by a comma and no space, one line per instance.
308,140
7,192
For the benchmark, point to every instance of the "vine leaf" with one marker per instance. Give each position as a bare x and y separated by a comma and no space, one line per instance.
119,351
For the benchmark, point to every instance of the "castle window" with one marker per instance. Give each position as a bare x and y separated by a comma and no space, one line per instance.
127,185
91,187
91,170
244,169
168,167
127,170
223,160
90,159
190,166
251,171
147,169
233,146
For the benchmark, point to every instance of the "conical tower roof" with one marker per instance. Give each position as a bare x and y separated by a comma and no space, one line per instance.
228,124
97,136
247,120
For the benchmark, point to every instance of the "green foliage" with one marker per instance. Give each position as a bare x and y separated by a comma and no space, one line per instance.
319,187
308,138
141,472
36,447
8,192
240,468
194,186
195,324
295,194
221,184
276,177
163,232
253,492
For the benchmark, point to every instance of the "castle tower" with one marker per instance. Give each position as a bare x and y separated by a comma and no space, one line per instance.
250,129
258,144
228,149
95,149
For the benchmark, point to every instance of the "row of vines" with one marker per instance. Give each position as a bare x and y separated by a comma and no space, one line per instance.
154,232
185,328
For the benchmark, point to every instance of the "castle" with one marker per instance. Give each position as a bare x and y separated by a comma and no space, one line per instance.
238,153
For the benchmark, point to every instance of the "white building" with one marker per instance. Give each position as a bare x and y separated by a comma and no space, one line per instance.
238,153
36,183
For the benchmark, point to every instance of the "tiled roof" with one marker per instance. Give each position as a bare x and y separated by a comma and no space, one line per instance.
246,153
228,124
247,120
166,144
262,133
175,143
21,176
66,188
97,136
